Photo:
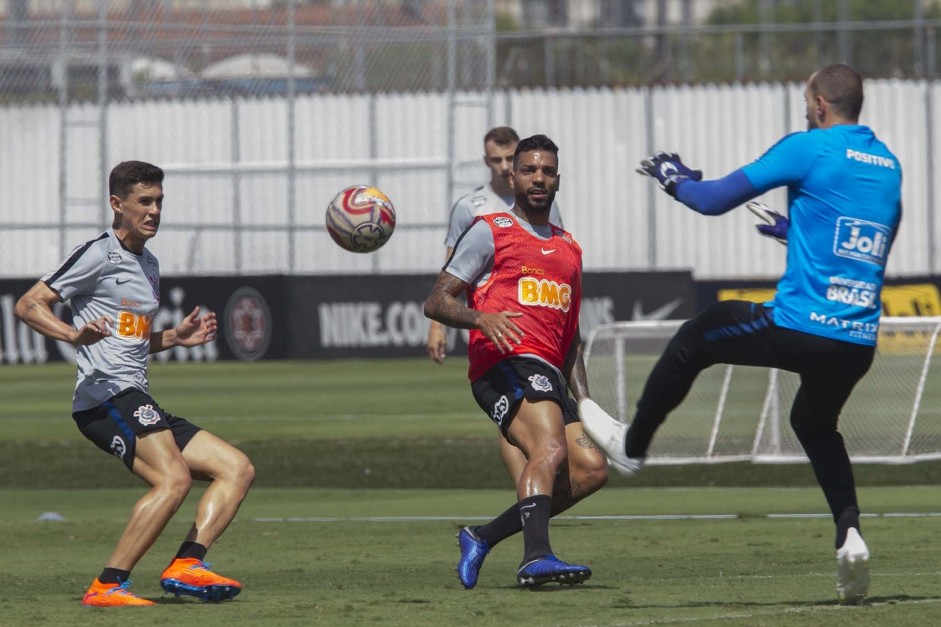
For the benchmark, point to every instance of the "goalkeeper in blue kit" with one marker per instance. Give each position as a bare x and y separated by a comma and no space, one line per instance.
844,209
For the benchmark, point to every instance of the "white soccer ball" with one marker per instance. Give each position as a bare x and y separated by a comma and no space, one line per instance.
360,219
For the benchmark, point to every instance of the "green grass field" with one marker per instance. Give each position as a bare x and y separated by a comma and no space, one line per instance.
366,469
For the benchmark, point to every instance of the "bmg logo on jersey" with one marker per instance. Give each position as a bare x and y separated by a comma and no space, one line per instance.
544,293
133,326
862,240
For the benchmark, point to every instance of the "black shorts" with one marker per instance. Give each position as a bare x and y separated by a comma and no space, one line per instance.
745,334
501,389
114,425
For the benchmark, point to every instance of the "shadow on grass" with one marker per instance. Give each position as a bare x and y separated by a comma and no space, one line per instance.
828,603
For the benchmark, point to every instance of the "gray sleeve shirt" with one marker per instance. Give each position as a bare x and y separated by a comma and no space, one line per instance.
103,278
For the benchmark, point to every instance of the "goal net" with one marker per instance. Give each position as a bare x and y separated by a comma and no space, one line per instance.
737,413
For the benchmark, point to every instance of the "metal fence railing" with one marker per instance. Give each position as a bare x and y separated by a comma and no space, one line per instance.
79,78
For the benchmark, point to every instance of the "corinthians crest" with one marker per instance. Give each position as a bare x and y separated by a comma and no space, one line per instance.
147,415
540,383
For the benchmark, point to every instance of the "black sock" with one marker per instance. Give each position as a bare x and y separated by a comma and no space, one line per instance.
192,549
534,517
848,519
638,439
114,575
501,527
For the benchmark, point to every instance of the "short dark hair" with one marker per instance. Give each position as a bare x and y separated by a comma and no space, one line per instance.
501,136
127,174
842,87
536,142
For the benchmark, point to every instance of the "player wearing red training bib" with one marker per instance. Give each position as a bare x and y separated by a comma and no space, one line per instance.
541,276
494,197
522,279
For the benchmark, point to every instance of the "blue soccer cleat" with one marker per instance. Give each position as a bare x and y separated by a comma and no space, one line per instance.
473,552
551,568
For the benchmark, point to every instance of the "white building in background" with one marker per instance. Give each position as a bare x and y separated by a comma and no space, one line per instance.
582,14
579,14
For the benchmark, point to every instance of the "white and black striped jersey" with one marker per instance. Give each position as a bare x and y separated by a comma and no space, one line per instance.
103,277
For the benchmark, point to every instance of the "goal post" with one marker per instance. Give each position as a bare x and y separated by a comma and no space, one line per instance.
740,413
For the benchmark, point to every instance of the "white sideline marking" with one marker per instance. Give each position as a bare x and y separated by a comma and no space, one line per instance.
327,519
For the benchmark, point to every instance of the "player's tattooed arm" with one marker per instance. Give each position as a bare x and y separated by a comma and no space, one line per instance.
574,369
26,310
443,305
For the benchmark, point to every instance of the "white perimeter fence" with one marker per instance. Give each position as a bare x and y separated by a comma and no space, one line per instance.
249,178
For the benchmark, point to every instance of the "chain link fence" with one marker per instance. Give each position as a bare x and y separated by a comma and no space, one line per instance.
274,72
87,50
92,50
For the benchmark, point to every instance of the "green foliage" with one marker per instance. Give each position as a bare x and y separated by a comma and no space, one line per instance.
805,11
793,54
504,22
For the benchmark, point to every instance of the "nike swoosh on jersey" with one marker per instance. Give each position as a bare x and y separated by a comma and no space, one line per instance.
120,282
547,252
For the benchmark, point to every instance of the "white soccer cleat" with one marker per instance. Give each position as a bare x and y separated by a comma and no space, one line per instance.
852,569
609,435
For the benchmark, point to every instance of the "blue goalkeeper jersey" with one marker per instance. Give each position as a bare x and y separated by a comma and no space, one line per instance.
844,204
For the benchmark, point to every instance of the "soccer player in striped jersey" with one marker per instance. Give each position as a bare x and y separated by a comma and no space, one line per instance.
522,279
112,285
844,206
495,197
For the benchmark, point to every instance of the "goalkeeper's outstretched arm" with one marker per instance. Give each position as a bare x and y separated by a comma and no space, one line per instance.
713,198
686,185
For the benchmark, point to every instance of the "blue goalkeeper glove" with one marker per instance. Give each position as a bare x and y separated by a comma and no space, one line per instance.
669,171
775,224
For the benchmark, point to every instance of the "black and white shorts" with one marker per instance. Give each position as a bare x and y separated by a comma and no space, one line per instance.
114,425
501,389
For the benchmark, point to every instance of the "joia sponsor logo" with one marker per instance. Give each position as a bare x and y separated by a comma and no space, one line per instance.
862,240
